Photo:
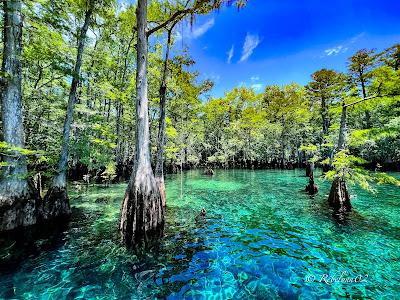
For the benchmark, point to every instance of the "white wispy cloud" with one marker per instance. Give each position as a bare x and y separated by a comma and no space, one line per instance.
257,87
250,43
230,54
357,37
254,78
199,31
195,32
336,50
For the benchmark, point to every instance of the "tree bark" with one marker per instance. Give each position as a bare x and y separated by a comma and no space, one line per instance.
308,168
364,94
159,171
142,213
19,200
343,128
339,197
56,202
324,115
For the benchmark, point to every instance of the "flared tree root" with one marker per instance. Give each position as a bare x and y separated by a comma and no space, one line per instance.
56,204
18,208
142,216
339,197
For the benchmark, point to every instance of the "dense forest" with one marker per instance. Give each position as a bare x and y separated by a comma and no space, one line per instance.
91,92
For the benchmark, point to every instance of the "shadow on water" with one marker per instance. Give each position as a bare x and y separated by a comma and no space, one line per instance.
353,220
22,244
19,244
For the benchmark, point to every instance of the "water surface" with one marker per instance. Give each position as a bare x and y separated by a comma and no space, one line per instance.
262,238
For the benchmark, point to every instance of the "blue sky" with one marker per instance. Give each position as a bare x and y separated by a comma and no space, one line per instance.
284,41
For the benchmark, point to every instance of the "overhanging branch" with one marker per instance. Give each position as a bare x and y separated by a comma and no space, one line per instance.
371,97
177,16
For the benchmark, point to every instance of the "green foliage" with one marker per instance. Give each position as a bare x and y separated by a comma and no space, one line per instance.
109,173
310,148
6,149
349,168
242,128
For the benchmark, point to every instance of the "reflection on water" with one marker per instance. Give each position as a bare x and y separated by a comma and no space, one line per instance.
262,238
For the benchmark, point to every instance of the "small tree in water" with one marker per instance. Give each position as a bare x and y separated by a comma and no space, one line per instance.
347,169
311,152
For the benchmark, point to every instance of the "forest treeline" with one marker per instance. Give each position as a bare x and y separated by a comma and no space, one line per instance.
79,63
242,129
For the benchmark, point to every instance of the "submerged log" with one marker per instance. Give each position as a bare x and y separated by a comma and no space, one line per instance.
339,197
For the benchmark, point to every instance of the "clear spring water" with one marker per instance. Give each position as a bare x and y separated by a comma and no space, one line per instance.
262,238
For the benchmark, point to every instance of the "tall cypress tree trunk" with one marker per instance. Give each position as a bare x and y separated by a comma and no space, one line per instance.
324,115
159,172
364,94
342,129
339,197
325,131
19,200
56,202
142,213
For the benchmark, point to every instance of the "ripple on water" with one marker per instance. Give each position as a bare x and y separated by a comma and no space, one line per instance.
262,236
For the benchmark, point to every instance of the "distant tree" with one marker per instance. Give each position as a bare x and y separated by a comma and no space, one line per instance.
391,57
56,202
359,67
288,108
323,91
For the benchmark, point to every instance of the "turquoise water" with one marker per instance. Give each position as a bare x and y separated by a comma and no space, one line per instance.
262,238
